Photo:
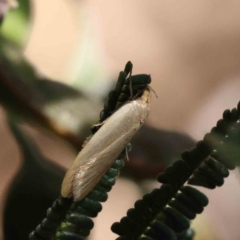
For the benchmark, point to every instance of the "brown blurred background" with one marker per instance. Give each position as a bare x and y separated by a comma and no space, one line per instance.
190,48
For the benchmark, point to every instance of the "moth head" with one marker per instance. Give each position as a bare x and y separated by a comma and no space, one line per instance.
146,96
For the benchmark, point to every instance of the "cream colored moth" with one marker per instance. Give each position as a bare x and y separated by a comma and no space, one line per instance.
104,147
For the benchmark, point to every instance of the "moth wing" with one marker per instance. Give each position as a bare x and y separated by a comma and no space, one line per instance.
91,173
86,172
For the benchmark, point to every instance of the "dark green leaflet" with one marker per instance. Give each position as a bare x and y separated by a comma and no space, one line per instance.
187,235
172,220
55,215
225,155
122,92
77,222
209,162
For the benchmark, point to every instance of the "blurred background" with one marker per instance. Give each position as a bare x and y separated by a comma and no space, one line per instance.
190,48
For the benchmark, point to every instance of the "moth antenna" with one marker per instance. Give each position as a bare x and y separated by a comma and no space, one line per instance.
153,91
141,92
136,95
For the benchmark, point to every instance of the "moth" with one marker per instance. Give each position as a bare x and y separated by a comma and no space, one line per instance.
104,147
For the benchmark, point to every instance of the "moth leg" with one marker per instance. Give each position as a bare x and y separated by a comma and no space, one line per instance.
126,152
99,123
128,148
